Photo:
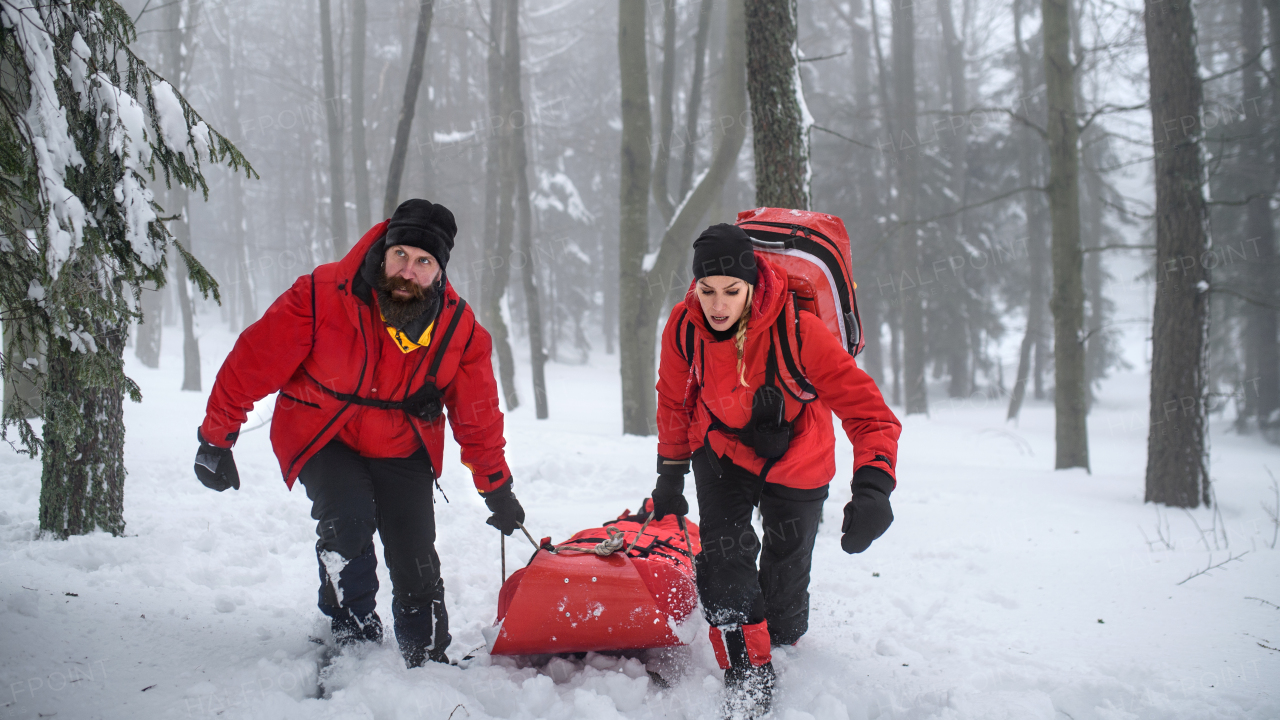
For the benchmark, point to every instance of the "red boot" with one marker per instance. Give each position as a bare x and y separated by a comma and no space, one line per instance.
743,654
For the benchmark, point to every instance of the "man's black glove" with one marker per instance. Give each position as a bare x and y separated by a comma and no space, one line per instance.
215,467
668,493
507,513
868,514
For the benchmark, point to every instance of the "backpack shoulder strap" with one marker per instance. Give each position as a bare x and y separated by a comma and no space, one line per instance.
787,330
446,337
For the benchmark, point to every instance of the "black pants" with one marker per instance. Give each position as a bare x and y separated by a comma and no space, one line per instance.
351,496
732,590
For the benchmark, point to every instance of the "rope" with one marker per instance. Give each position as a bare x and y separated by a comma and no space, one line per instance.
613,544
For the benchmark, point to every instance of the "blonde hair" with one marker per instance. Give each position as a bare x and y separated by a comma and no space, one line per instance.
740,338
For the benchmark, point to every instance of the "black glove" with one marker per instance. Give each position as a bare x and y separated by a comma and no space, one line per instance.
215,467
507,513
668,493
868,514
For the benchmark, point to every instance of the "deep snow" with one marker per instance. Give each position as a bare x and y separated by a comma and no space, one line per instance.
1003,590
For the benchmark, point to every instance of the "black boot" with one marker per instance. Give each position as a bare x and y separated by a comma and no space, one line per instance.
422,631
748,677
349,602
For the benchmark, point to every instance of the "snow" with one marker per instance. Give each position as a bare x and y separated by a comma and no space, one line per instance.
46,119
1004,589
170,118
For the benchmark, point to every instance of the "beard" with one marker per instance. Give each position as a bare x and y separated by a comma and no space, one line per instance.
402,312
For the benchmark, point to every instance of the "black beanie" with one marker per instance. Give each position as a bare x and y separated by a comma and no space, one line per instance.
724,249
424,225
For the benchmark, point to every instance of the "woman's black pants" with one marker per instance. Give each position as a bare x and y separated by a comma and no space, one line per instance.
351,496
733,591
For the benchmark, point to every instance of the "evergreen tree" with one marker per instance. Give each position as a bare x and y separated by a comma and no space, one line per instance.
85,127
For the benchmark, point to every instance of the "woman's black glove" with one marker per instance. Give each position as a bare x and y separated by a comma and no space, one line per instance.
507,513
215,466
868,514
668,493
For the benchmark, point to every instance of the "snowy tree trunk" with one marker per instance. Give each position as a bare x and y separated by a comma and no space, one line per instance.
1067,302
1033,340
1177,455
644,290
178,56
958,330
82,480
337,196
520,175
636,347
666,114
906,153
407,107
695,97
359,155
778,116
150,327
496,272
1260,183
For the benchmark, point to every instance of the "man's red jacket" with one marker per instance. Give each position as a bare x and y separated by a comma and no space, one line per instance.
694,385
326,331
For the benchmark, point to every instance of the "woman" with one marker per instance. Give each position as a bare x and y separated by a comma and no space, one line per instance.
725,408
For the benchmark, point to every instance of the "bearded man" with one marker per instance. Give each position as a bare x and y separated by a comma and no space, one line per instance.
369,355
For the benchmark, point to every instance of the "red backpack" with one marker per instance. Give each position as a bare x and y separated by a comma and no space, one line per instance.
813,249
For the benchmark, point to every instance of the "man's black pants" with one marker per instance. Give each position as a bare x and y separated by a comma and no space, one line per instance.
732,590
351,496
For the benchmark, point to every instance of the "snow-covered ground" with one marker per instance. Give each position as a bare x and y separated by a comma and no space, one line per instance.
1003,590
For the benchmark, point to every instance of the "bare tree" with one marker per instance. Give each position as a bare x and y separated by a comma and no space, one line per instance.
1067,302
1261,357
520,174
1177,468
778,114
359,154
332,104
645,282
907,156
179,51
666,114
404,124
695,96
498,213
1033,208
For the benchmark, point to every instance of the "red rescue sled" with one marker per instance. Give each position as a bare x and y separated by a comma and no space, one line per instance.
571,599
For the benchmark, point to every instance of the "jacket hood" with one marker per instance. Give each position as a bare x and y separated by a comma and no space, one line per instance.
770,296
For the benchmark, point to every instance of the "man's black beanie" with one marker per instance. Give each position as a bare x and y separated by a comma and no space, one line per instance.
724,249
425,225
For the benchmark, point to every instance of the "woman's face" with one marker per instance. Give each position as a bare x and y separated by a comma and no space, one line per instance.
723,300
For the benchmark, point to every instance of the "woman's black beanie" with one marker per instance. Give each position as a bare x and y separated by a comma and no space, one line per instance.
724,249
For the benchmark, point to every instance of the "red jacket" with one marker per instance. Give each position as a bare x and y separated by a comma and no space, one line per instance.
327,329
689,392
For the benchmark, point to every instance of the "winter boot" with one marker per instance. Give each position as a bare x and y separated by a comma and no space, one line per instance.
347,592
743,654
422,631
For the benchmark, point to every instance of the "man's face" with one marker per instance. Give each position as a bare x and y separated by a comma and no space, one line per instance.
409,271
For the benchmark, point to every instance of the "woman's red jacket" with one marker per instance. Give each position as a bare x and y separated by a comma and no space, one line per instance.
320,334
689,392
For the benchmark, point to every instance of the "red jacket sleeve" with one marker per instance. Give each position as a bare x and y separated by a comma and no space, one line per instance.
675,410
263,359
472,402
851,394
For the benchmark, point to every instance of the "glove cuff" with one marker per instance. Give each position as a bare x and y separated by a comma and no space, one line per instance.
872,477
503,491
670,483
667,466
231,438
